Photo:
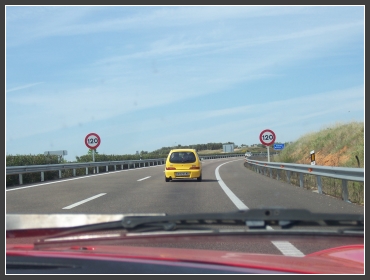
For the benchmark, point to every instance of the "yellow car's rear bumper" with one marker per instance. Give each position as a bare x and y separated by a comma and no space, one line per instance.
179,174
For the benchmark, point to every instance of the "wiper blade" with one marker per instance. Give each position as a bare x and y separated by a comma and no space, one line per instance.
252,218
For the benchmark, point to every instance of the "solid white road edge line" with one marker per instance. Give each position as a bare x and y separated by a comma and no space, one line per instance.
238,203
78,178
285,247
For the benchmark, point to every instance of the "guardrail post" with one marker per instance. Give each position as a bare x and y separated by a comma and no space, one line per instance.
270,169
42,176
74,171
87,170
106,168
60,174
115,167
344,190
301,180
97,169
121,166
278,174
288,176
319,185
20,179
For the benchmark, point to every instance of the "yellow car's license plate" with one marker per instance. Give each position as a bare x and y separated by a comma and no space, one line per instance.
182,173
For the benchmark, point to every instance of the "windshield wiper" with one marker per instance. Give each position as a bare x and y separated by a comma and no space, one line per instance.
250,219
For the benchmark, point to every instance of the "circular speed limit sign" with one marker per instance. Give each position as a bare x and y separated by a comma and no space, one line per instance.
92,140
267,137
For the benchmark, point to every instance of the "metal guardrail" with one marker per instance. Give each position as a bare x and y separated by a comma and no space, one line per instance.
13,170
344,173
226,155
262,154
20,170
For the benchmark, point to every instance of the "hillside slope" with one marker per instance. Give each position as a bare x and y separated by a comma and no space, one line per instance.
341,144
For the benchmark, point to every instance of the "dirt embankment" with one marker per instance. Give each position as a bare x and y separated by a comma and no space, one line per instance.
337,159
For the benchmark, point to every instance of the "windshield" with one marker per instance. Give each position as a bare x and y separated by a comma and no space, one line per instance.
115,112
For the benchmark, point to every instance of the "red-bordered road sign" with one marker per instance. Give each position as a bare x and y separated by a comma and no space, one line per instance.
92,141
267,137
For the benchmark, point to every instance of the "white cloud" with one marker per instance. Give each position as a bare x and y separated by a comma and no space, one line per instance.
23,87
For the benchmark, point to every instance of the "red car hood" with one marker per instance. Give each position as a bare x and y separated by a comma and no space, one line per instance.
339,260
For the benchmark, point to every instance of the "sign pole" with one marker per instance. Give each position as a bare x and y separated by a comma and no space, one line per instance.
268,153
93,154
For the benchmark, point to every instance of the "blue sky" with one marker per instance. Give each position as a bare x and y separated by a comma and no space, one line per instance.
147,77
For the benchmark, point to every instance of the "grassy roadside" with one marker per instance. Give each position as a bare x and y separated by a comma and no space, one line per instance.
210,152
337,145
340,145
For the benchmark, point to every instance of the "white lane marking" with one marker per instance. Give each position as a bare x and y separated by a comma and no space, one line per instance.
82,177
144,178
83,201
287,249
238,203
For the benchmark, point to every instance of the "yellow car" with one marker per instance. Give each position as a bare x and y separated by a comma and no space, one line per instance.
183,164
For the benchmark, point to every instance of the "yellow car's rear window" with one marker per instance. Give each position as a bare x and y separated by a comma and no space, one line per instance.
182,157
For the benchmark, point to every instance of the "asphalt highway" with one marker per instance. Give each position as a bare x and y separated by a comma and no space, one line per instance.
227,186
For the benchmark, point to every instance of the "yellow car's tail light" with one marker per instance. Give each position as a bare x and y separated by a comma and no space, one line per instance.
170,168
194,167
